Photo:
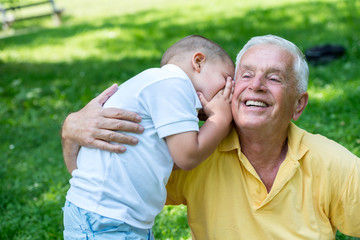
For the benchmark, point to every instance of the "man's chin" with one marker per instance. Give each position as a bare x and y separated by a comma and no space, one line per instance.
254,123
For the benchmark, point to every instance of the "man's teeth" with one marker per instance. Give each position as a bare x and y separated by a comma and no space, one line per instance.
255,103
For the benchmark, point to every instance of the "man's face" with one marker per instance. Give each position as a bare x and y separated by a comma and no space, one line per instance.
265,89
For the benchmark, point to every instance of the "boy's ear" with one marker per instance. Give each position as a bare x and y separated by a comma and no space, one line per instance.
197,61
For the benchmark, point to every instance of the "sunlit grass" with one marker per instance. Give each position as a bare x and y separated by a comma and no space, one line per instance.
47,72
326,93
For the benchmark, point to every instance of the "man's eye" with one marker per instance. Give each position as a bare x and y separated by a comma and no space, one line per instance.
246,75
274,79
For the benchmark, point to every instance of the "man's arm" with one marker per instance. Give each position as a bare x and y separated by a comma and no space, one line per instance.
95,126
344,214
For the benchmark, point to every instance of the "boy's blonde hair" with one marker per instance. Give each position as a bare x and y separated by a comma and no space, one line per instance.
194,43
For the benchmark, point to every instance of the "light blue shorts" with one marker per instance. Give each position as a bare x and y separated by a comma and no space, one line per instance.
85,225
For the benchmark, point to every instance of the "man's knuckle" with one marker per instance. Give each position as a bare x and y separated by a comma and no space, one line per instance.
102,146
120,125
120,114
112,136
88,141
94,123
125,115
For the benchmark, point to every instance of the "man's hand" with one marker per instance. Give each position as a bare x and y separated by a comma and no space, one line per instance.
95,126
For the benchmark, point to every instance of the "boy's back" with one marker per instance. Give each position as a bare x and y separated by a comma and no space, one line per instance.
131,186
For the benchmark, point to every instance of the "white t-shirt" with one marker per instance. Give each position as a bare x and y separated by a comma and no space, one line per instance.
131,186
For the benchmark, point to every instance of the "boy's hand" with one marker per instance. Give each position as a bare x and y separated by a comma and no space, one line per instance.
219,105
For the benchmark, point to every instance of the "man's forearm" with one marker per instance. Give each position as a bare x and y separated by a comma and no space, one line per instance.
69,147
70,151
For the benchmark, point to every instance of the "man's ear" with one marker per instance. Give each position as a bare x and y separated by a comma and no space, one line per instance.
301,104
197,61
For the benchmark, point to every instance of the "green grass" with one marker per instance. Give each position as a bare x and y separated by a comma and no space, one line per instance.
48,72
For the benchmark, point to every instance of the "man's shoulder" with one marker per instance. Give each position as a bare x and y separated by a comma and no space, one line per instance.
315,143
326,153
328,163
320,144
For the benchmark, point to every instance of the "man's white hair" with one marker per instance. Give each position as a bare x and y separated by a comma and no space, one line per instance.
300,67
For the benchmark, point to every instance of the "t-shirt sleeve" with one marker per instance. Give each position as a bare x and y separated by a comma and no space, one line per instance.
346,216
172,105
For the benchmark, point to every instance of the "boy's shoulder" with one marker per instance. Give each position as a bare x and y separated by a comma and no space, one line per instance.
166,71
155,74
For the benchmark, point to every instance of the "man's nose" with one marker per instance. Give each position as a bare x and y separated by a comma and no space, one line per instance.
258,83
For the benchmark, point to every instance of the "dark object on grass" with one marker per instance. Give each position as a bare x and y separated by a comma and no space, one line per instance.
324,54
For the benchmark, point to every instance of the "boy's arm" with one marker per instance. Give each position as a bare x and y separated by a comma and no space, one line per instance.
95,126
189,149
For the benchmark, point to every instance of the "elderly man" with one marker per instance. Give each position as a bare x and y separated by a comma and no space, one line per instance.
268,179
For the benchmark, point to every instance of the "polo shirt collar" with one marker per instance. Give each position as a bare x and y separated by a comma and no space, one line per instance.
295,135
296,148
230,142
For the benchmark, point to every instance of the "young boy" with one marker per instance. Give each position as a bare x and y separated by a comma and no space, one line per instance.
115,196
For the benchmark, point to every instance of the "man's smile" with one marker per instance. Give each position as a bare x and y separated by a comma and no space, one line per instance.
253,103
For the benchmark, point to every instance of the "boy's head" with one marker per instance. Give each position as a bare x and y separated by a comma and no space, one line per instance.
204,61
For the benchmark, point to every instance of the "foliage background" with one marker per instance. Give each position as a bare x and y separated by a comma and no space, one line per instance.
46,72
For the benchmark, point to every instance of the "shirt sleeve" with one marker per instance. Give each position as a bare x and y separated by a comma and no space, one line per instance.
346,216
172,105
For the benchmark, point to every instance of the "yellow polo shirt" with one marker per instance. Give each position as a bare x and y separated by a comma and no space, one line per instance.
316,191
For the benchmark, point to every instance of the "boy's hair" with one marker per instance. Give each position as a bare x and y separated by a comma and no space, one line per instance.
194,43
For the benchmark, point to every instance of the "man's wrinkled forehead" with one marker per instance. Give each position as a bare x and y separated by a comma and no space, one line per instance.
267,56
272,69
